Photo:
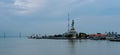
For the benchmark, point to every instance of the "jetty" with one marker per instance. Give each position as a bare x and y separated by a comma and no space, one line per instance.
73,34
70,34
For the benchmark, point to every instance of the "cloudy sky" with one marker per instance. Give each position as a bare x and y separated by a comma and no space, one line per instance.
50,16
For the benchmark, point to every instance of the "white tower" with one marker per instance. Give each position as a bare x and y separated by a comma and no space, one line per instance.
72,30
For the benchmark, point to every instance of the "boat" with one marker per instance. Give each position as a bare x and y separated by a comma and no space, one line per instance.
34,36
114,39
113,36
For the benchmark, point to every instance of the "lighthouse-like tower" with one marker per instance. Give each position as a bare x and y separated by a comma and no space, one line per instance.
72,25
72,33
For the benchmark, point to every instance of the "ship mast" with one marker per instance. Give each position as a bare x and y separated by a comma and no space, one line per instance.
68,22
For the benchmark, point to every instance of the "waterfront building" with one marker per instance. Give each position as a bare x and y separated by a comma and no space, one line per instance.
98,36
82,35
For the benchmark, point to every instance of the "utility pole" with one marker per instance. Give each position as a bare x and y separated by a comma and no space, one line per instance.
19,34
4,35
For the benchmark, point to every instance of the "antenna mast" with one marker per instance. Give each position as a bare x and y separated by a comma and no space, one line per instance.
19,34
68,22
4,35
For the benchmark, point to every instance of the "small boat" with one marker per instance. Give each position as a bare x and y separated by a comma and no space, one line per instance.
114,39
34,37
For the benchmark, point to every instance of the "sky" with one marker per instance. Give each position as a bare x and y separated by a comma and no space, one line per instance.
50,16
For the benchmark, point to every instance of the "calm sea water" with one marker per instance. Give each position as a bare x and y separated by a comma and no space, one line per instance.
24,46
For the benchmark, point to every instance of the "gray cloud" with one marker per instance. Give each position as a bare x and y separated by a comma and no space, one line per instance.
32,6
50,16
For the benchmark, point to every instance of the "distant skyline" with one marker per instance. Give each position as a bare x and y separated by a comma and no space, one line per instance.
50,16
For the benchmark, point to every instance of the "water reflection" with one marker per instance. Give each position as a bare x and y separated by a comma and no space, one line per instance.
71,48
58,47
76,46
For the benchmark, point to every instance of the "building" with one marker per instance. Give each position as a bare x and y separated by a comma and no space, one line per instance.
97,36
82,35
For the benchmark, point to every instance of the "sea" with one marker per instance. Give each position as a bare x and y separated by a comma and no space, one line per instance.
25,46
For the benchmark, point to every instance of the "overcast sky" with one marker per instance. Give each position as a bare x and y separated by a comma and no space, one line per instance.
50,16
